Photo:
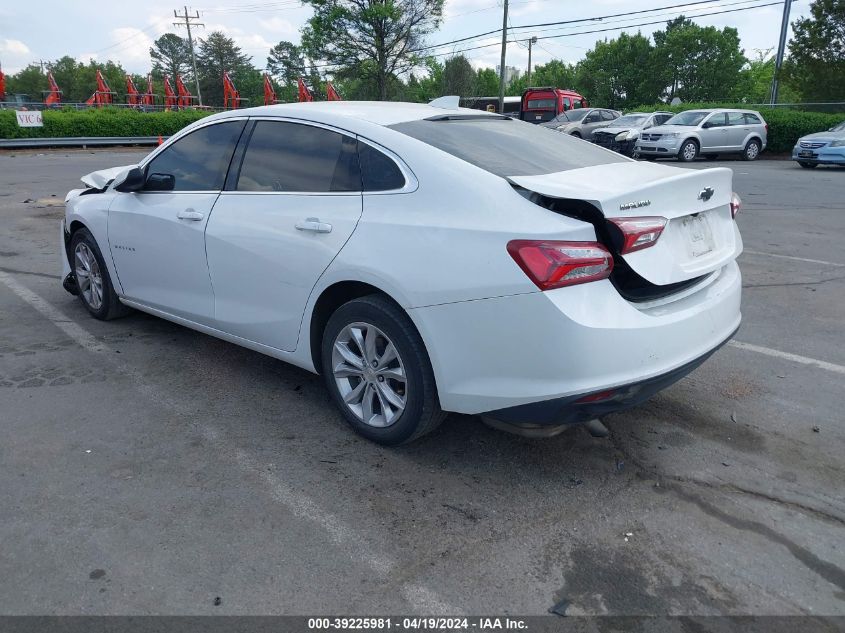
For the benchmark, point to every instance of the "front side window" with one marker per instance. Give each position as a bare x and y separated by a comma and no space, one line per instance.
287,157
506,147
720,119
196,162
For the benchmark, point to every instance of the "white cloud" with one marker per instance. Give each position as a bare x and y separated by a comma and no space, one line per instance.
137,45
14,54
277,25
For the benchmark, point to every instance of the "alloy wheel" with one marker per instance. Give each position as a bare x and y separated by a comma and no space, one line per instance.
689,151
88,276
751,151
369,374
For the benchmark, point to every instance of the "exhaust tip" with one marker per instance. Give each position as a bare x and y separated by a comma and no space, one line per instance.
595,428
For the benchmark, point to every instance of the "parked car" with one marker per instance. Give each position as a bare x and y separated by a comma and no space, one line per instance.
423,259
821,148
582,123
543,104
622,134
706,133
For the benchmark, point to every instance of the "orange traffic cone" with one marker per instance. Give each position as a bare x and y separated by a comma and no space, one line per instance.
160,140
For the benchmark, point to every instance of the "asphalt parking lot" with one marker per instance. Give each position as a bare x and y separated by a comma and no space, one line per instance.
146,468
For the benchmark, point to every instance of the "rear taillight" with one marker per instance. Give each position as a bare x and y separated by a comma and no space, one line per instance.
639,233
552,264
736,204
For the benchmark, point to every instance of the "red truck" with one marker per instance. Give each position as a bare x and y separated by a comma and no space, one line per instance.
543,104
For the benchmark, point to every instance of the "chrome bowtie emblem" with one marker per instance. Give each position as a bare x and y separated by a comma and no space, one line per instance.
705,194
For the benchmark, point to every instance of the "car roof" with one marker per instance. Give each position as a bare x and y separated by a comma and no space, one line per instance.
382,113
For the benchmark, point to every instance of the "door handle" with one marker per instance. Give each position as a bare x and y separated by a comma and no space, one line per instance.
314,225
190,214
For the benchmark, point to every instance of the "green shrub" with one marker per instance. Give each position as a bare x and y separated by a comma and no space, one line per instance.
100,122
785,126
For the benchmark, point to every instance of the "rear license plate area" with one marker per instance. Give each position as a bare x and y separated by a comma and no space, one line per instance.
698,234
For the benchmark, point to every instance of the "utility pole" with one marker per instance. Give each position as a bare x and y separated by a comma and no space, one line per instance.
187,23
531,42
502,67
784,25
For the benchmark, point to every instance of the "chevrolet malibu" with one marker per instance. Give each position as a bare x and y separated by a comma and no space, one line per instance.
423,259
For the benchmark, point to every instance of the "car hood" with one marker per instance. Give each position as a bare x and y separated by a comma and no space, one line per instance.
688,247
101,179
615,129
823,136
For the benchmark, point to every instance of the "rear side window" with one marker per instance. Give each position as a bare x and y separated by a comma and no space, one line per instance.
292,157
506,147
736,118
751,119
607,115
200,160
378,171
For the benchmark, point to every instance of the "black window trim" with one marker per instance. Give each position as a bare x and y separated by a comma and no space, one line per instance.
187,132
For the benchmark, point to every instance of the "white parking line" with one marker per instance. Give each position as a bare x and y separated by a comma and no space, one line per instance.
421,599
797,259
795,358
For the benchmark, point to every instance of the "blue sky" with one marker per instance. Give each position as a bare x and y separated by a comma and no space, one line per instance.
124,31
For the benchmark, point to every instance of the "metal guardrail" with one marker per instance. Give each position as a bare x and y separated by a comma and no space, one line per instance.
78,141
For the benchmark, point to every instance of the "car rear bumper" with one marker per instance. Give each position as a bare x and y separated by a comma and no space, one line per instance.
550,349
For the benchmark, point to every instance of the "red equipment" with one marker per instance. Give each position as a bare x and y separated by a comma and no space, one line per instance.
133,97
170,99
149,97
543,104
185,96
304,93
54,95
331,93
102,95
231,97
269,93
2,85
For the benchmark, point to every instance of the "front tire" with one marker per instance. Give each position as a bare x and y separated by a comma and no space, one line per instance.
378,372
96,291
752,150
688,151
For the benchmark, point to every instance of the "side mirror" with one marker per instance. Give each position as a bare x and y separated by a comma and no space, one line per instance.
160,182
132,181
707,125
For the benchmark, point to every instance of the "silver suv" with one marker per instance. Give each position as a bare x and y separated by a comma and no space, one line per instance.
706,133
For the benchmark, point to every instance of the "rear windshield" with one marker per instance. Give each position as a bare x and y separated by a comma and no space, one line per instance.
538,104
506,147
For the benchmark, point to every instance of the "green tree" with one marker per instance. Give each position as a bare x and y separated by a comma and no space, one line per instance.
286,63
218,54
28,81
171,55
699,63
376,37
816,65
486,83
621,72
458,77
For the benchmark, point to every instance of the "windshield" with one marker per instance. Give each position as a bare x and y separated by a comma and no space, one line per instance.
839,128
691,117
630,119
506,147
572,115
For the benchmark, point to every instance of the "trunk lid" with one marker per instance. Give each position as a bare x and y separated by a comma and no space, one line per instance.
700,235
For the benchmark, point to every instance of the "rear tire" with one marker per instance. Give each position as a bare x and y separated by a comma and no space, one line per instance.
688,151
752,150
96,291
378,372
807,165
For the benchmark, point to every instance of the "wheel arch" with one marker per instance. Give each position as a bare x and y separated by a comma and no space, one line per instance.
329,300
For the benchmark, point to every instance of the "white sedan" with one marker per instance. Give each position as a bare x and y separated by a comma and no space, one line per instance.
423,259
